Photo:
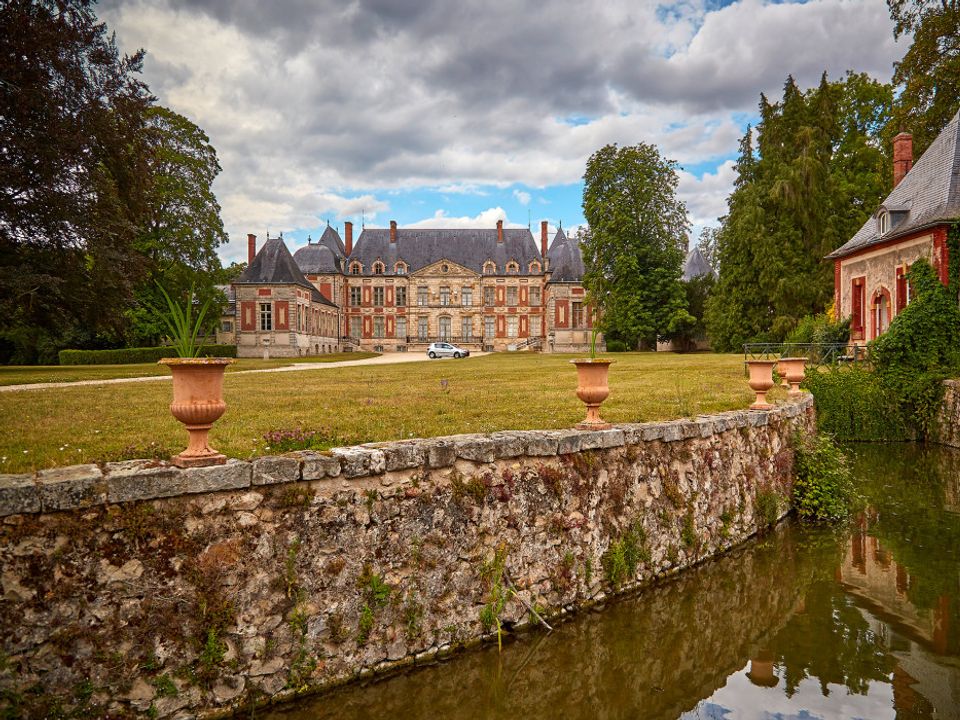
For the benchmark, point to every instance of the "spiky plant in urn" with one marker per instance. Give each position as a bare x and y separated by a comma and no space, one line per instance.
197,383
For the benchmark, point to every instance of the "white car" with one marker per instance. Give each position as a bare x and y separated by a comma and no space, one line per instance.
442,349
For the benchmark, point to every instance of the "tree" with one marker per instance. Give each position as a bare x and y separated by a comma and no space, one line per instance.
707,242
928,76
182,227
808,177
73,175
633,249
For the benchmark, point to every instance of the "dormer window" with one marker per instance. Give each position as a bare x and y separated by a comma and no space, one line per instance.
356,268
400,268
512,267
534,267
883,222
489,268
378,268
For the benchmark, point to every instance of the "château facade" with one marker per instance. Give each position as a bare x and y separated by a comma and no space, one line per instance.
398,290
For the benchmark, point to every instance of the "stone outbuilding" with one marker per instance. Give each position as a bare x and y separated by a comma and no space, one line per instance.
870,286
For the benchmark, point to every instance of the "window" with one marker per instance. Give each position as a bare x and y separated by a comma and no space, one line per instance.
444,327
512,267
536,328
512,326
266,316
489,326
512,295
576,315
355,296
400,268
356,325
401,332
422,327
226,326
378,296
534,267
489,296
466,297
378,268
421,295
489,268
466,328
883,222
534,295
401,295
444,296
857,292
378,328
356,268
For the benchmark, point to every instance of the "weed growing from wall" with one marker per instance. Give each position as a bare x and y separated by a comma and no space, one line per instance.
624,555
823,487
491,574
767,508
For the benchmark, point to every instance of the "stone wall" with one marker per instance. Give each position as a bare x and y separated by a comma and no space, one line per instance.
137,588
947,430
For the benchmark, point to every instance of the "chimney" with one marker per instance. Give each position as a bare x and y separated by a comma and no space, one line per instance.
543,239
251,248
348,240
499,231
393,231
902,156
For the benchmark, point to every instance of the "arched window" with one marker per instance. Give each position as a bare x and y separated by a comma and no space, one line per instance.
489,268
400,268
356,268
512,267
883,222
534,267
378,268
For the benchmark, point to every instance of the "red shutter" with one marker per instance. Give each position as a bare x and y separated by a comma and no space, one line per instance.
901,290
282,309
856,306
390,326
501,326
367,324
562,312
523,332
247,311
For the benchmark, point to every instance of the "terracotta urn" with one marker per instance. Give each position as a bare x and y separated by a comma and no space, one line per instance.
794,370
761,380
197,403
592,389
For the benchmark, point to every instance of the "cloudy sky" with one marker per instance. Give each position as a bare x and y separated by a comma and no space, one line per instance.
453,113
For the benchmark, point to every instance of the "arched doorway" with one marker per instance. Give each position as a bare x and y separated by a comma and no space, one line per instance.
880,311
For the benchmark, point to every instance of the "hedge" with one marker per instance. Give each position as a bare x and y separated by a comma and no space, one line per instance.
125,356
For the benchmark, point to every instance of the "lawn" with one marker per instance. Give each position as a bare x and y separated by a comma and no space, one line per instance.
30,374
503,391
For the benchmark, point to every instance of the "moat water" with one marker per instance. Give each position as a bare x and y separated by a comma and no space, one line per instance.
860,621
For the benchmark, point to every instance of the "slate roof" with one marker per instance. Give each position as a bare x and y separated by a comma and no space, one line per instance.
324,256
928,195
469,248
695,265
566,260
274,265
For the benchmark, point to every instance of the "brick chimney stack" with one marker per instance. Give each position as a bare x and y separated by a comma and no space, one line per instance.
902,156
251,248
393,231
499,231
348,237
543,238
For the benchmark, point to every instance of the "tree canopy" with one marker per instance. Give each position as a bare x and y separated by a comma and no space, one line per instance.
633,249
808,177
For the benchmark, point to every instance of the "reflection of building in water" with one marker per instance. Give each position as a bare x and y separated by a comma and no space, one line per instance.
916,637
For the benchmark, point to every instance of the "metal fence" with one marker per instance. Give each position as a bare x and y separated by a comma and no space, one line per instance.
815,353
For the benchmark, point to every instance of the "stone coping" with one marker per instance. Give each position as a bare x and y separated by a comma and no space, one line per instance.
82,486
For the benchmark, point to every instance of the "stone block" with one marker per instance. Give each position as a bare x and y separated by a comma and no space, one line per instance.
276,469
235,475
441,453
652,431
18,494
706,427
672,431
406,455
509,444
739,419
360,461
612,438
142,480
568,441
477,448
689,429
758,418
68,488
317,466
542,443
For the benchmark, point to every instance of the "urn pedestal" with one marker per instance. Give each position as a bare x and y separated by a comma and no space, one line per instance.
592,389
761,380
198,404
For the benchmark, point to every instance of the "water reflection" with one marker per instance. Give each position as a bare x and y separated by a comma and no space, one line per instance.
854,623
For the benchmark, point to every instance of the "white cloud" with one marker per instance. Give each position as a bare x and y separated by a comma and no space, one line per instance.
522,197
484,219
706,197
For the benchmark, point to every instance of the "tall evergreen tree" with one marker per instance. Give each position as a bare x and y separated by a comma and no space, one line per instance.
816,173
633,248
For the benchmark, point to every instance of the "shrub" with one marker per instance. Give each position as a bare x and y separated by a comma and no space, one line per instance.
617,346
126,356
819,329
822,488
852,404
